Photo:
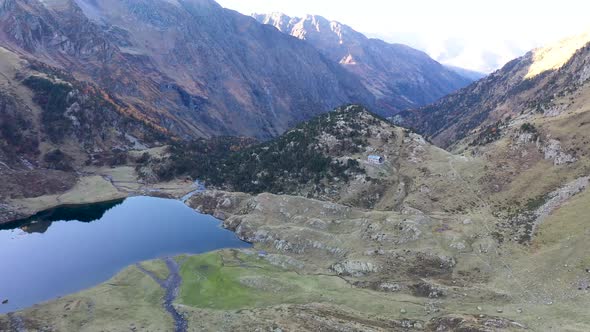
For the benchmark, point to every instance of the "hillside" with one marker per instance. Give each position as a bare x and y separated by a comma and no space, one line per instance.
528,87
446,245
528,124
52,125
327,158
44,107
398,76
189,66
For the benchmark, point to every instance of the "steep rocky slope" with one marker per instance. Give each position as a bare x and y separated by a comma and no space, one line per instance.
528,124
526,86
190,66
400,77
45,107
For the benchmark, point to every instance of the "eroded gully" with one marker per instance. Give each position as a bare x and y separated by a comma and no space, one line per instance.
171,286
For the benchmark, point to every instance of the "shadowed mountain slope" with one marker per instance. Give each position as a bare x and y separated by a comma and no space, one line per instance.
190,66
399,76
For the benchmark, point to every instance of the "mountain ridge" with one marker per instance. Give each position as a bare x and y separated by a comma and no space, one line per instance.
399,76
190,66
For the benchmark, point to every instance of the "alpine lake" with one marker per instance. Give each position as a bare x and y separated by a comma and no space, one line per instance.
71,248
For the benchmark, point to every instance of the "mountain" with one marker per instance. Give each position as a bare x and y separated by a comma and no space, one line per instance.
496,230
399,76
189,65
542,84
424,241
356,223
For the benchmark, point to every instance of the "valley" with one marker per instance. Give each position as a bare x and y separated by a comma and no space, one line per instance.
179,166
439,254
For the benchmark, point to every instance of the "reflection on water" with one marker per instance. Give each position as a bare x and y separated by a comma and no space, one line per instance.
61,251
41,222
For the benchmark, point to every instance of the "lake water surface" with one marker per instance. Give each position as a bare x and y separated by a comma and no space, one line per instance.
68,249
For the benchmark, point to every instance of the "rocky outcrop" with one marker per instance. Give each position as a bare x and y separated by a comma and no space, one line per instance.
7,214
558,197
553,151
354,268
221,204
393,232
527,223
473,323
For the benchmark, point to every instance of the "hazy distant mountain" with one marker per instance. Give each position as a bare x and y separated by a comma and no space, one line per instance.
399,76
470,74
188,65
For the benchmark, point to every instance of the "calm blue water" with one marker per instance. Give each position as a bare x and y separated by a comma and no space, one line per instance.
69,249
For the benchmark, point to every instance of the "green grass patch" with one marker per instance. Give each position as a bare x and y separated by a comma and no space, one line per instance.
229,280
207,284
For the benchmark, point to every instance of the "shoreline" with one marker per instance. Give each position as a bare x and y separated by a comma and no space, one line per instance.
23,221
99,186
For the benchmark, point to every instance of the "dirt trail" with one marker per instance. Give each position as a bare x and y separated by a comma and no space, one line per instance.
171,285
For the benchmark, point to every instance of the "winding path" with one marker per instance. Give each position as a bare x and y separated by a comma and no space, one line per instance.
171,285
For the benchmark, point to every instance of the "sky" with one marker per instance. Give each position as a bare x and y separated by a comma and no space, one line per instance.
473,34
